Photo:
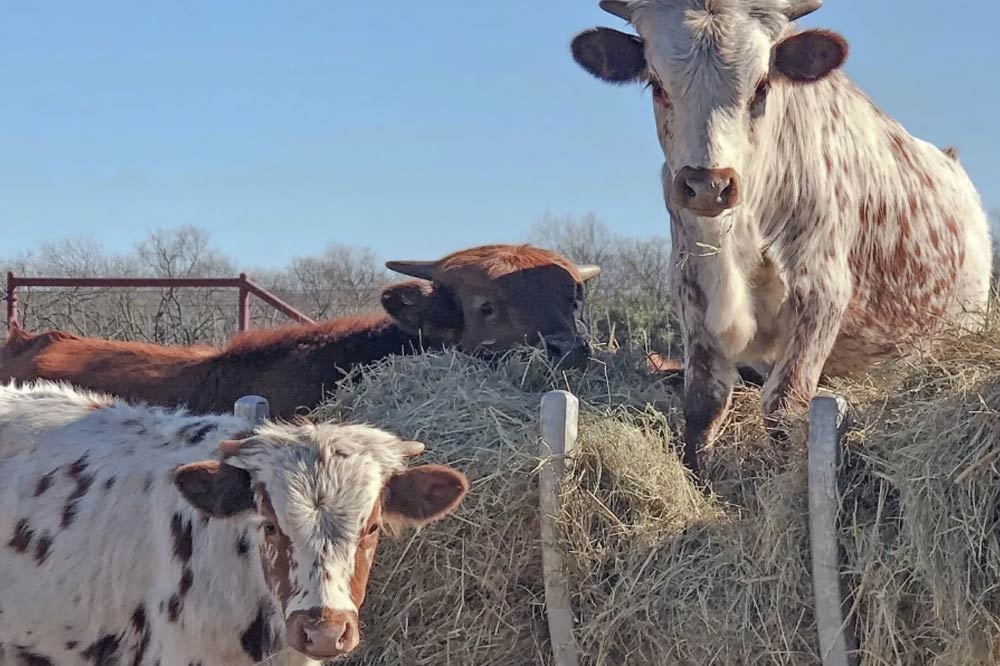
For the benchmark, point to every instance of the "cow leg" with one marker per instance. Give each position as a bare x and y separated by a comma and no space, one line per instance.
794,378
708,386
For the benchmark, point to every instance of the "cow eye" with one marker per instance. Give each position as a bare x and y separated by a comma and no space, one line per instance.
270,529
486,309
759,102
373,529
659,94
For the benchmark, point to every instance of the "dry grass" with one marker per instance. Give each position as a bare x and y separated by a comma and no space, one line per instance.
663,574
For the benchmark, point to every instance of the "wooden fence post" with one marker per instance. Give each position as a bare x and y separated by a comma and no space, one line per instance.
243,312
253,408
559,416
827,422
11,301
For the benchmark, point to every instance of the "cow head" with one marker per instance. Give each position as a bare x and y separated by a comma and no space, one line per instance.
316,498
711,66
493,298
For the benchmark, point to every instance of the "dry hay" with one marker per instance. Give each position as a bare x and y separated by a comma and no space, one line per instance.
663,574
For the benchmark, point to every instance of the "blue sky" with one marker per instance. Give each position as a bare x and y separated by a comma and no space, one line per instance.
415,128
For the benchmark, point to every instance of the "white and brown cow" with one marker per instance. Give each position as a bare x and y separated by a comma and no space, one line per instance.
811,233
144,536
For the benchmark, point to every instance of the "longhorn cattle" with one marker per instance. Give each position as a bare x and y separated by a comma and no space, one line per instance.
484,299
811,233
138,535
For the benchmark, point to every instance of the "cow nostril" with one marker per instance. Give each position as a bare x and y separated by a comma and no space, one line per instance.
689,191
728,189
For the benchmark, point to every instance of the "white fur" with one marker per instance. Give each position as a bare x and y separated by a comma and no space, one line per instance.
116,554
798,241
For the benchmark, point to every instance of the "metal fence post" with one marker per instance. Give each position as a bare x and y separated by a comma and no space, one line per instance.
11,301
827,423
253,408
559,417
243,313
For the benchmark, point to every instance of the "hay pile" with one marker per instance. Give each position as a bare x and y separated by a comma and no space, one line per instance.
664,575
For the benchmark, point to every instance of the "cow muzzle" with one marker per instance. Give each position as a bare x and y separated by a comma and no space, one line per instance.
706,192
566,351
323,633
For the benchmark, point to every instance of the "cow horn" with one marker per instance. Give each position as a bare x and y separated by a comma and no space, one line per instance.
798,8
411,448
619,8
588,271
418,269
231,447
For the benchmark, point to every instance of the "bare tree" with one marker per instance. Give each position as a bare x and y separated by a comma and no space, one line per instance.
586,239
340,281
630,299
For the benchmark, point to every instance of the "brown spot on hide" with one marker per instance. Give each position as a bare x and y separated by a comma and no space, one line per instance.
42,548
174,608
76,472
256,639
29,658
180,532
141,627
103,651
243,546
196,432
44,483
364,556
276,553
23,534
187,579
139,618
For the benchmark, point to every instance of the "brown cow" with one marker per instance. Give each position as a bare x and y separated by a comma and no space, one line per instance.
486,299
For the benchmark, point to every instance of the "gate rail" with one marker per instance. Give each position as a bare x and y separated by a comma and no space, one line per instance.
245,286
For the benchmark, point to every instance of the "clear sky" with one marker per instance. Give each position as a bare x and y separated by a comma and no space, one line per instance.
413,127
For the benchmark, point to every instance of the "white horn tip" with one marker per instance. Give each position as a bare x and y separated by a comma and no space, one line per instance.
588,271
619,8
411,448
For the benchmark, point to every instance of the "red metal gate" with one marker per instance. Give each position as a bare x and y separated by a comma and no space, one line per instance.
243,283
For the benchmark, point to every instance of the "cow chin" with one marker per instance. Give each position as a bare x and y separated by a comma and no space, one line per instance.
565,355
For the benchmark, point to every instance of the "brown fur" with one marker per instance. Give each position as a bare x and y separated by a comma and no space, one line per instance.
276,553
364,556
497,261
294,366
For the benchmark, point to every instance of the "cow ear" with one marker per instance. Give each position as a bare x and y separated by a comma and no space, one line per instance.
408,303
421,495
809,56
610,55
218,489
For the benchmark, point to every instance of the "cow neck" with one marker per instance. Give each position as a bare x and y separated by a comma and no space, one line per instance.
339,343
380,338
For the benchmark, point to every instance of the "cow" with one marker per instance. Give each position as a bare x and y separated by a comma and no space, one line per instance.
811,233
148,536
484,299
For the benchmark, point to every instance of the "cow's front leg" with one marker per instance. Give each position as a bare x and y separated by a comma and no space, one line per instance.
793,380
708,386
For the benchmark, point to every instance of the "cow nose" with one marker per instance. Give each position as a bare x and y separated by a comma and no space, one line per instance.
706,192
323,633
568,353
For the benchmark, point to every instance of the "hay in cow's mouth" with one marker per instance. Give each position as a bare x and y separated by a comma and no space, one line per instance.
662,574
